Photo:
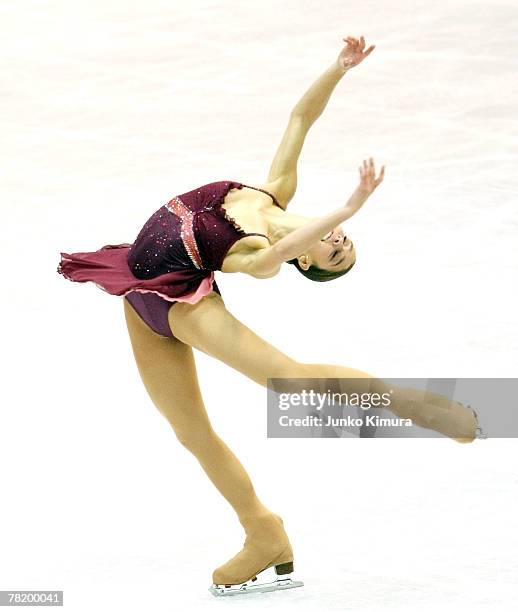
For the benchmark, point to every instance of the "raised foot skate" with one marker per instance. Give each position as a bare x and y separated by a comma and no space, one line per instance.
479,432
282,580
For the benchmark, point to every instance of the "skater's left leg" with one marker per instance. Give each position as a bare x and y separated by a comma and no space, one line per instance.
168,371
211,328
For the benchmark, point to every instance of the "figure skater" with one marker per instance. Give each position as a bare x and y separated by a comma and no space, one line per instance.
172,304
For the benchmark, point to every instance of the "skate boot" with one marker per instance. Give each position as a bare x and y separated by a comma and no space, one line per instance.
266,546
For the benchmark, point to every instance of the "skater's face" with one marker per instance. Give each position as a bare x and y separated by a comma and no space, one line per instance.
334,252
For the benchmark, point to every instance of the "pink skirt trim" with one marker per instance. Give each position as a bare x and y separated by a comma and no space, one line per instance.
204,288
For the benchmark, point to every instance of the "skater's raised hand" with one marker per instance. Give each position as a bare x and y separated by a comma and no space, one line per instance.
368,183
368,180
353,53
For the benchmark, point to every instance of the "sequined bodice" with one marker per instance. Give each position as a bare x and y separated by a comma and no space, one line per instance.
191,230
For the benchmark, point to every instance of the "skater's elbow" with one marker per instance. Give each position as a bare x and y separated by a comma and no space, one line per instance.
263,263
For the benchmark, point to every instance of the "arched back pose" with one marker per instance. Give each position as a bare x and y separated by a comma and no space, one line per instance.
172,304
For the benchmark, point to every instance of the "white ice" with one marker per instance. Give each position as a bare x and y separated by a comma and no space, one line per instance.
108,109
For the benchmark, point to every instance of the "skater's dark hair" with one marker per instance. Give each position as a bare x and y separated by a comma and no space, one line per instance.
317,274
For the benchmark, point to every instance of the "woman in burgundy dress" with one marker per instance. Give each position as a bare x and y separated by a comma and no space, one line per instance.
172,304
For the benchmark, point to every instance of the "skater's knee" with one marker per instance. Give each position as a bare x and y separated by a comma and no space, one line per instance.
290,368
196,440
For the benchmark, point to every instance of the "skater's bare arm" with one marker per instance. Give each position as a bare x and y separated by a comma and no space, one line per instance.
306,236
265,263
282,178
314,101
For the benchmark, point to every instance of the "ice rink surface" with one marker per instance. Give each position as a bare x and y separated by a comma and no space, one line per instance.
109,109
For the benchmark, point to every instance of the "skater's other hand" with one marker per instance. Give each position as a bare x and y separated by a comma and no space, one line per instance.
353,53
368,183
368,180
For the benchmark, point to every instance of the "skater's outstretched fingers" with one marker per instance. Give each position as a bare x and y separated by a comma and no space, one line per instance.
353,53
368,180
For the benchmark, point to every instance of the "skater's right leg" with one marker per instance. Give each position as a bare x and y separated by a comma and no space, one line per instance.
168,371
222,336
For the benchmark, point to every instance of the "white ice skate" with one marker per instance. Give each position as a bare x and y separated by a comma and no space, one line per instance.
275,578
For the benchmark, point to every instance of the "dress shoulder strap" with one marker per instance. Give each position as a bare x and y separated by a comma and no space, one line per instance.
264,191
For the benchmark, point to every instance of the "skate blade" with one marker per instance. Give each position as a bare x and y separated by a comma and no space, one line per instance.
249,587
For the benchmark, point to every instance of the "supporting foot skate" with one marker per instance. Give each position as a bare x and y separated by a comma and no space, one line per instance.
266,546
282,579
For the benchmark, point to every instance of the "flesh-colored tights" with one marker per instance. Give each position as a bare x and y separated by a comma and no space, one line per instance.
168,371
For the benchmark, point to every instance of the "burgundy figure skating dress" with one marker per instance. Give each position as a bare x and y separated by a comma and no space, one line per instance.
173,258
